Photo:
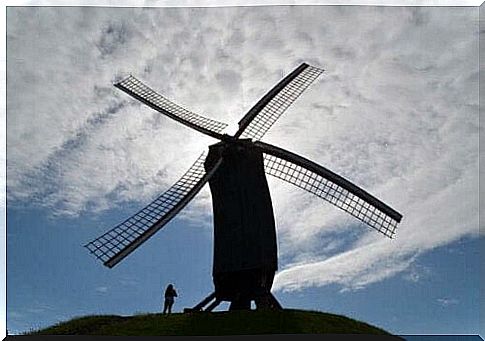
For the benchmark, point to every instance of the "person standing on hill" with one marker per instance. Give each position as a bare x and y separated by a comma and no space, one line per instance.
170,295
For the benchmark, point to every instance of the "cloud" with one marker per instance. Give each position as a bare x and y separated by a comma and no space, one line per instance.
417,273
36,308
353,269
445,302
396,112
102,289
112,38
373,258
229,79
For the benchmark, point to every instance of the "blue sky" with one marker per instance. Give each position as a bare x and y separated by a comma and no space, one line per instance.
54,279
396,112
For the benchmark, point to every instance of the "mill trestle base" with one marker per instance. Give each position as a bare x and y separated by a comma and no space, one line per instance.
264,301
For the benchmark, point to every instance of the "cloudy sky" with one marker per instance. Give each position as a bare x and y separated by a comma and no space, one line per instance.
396,112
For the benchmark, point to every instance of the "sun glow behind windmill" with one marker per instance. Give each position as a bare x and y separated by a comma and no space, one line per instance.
245,248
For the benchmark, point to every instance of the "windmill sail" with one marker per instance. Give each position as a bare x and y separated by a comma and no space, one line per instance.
330,187
124,238
264,114
143,93
245,247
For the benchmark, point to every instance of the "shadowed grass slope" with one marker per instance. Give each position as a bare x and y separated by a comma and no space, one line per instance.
218,323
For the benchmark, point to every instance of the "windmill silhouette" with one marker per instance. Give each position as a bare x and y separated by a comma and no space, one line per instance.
245,248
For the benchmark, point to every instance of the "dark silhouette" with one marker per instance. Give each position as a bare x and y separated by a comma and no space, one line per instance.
245,244
170,295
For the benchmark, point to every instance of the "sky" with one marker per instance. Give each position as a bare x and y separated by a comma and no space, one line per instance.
395,112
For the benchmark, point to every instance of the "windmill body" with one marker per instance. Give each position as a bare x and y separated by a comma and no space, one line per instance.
245,251
245,247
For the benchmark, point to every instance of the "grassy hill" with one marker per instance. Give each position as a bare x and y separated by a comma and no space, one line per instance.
216,323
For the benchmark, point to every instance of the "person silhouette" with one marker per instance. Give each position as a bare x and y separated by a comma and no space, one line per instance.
170,295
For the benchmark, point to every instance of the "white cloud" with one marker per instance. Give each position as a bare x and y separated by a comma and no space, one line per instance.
445,302
396,112
102,289
417,273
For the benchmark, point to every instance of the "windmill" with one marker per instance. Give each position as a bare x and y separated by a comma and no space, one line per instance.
245,248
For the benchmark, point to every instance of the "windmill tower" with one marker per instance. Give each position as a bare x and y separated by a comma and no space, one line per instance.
245,248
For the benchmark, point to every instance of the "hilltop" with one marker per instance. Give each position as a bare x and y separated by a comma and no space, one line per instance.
216,323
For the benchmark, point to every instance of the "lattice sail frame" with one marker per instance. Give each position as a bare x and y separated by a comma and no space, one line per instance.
352,199
280,98
145,94
117,243
124,238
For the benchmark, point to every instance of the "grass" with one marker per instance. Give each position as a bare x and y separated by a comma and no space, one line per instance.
216,323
